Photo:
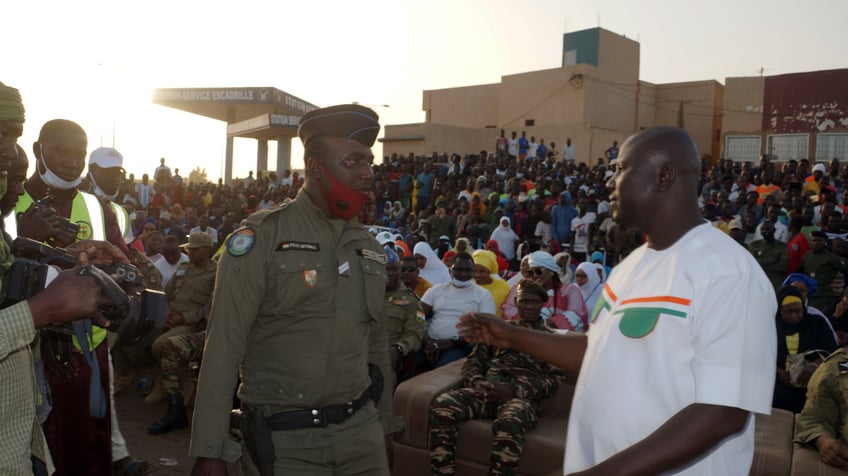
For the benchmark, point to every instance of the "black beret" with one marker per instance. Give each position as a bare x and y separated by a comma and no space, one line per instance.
345,120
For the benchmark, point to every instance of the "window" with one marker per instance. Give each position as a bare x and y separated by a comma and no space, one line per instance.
831,146
742,148
788,146
529,122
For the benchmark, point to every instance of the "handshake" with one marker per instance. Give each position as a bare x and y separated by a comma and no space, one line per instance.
97,282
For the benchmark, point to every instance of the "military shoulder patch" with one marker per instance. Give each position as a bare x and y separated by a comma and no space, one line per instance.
372,255
420,316
241,242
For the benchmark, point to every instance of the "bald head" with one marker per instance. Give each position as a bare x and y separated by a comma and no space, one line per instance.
655,186
668,146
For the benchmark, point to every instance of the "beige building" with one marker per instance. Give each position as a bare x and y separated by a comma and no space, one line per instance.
596,98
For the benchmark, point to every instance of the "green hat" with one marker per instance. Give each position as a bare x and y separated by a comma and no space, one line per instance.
198,239
351,121
11,105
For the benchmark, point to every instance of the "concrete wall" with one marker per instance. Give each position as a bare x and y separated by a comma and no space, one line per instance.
470,106
547,97
426,138
743,104
694,106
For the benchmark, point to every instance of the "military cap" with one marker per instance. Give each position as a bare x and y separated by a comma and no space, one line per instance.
351,121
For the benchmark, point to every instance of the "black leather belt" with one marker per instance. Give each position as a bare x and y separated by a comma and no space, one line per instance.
316,417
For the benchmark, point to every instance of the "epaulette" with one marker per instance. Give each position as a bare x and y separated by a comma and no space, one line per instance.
258,217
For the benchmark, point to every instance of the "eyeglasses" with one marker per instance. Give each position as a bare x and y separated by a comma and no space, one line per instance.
408,269
538,271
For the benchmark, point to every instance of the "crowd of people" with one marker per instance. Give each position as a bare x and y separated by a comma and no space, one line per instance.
526,237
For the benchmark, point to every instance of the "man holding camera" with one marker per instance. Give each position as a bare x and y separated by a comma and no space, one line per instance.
59,215
22,449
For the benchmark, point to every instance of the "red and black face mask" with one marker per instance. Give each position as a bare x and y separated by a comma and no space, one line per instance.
344,201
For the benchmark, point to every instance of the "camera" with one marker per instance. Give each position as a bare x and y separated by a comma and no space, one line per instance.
132,314
64,223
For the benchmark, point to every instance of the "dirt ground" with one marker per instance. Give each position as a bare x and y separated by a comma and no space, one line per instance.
134,416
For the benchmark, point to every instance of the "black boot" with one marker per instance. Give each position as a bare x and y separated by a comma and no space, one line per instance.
174,419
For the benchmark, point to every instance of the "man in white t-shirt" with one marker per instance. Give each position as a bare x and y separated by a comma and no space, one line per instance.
581,230
203,225
446,302
669,373
170,259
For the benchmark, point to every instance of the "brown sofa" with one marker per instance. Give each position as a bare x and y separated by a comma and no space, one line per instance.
775,454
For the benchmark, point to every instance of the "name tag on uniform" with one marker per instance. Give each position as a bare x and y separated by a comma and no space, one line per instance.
180,272
298,245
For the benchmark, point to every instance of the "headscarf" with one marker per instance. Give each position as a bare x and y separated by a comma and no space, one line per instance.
590,291
812,287
449,254
486,259
468,248
146,221
391,255
11,105
503,264
543,259
566,275
506,238
434,270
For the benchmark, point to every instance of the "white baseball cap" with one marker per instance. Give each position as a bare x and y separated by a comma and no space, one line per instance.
106,158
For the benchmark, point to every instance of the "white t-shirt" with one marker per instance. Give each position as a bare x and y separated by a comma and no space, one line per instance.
568,152
512,147
543,231
449,302
167,269
580,228
693,323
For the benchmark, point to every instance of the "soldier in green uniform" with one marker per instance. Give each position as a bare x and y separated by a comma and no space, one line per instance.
502,384
188,292
298,312
772,255
824,420
822,265
405,323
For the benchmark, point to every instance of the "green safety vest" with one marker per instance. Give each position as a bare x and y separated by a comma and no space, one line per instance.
92,227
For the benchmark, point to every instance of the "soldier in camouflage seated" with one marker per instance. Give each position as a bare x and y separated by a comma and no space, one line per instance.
502,384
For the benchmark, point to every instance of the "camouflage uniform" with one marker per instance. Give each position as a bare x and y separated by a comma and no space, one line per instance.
405,324
177,353
827,400
823,267
531,381
773,258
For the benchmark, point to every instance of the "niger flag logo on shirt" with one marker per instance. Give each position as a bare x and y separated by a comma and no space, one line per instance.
639,316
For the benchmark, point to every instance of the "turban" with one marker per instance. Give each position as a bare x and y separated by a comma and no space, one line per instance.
351,121
486,259
11,106
543,259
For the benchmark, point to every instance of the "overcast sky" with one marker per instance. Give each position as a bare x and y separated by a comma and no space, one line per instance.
97,62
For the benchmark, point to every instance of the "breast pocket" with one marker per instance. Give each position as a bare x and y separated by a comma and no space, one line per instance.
374,281
303,282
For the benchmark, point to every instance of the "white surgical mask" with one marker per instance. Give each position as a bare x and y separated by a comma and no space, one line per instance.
462,284
99,191
51,179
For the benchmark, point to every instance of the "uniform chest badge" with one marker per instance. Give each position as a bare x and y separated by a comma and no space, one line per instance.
401,302
310,278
